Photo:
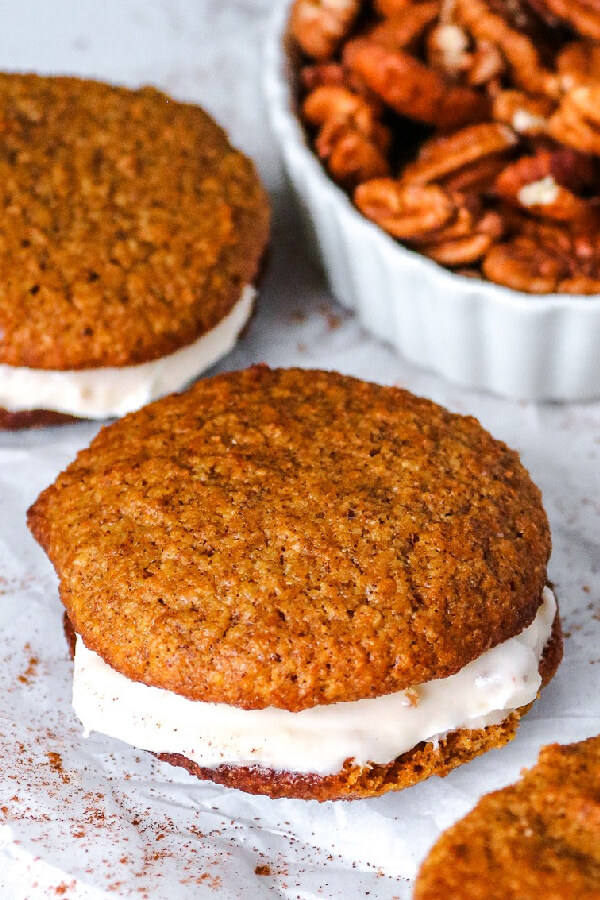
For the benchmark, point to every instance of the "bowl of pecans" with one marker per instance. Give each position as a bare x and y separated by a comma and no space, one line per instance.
446,154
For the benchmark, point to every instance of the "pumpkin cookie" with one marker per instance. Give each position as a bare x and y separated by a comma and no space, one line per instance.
132,233
330,587
537,838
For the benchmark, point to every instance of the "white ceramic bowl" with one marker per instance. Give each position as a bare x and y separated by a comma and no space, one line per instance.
474,333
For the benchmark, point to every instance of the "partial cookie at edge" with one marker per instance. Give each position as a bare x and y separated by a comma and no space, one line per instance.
539,837
161,224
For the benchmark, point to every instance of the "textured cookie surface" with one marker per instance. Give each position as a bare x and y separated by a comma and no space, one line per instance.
128,225
537,838
293,538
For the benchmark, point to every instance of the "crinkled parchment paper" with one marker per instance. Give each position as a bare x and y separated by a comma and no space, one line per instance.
97,819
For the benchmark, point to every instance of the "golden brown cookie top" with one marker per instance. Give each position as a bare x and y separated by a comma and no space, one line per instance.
539,838
293,538
129,225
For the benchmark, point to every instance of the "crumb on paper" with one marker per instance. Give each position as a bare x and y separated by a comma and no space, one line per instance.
32,667
56,763
61,889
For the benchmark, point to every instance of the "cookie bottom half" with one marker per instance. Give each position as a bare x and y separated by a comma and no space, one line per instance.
33,418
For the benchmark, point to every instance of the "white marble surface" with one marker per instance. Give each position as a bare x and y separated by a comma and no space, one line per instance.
96,819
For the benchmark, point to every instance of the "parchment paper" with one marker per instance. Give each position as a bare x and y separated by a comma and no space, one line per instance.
97,819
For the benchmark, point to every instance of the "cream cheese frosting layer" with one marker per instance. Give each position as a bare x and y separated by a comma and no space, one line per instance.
320,739
106,391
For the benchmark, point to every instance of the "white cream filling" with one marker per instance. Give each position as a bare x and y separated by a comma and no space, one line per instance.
539,193
319,739
105,392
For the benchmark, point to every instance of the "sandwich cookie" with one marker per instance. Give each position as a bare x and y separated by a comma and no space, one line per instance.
132,234
301,584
